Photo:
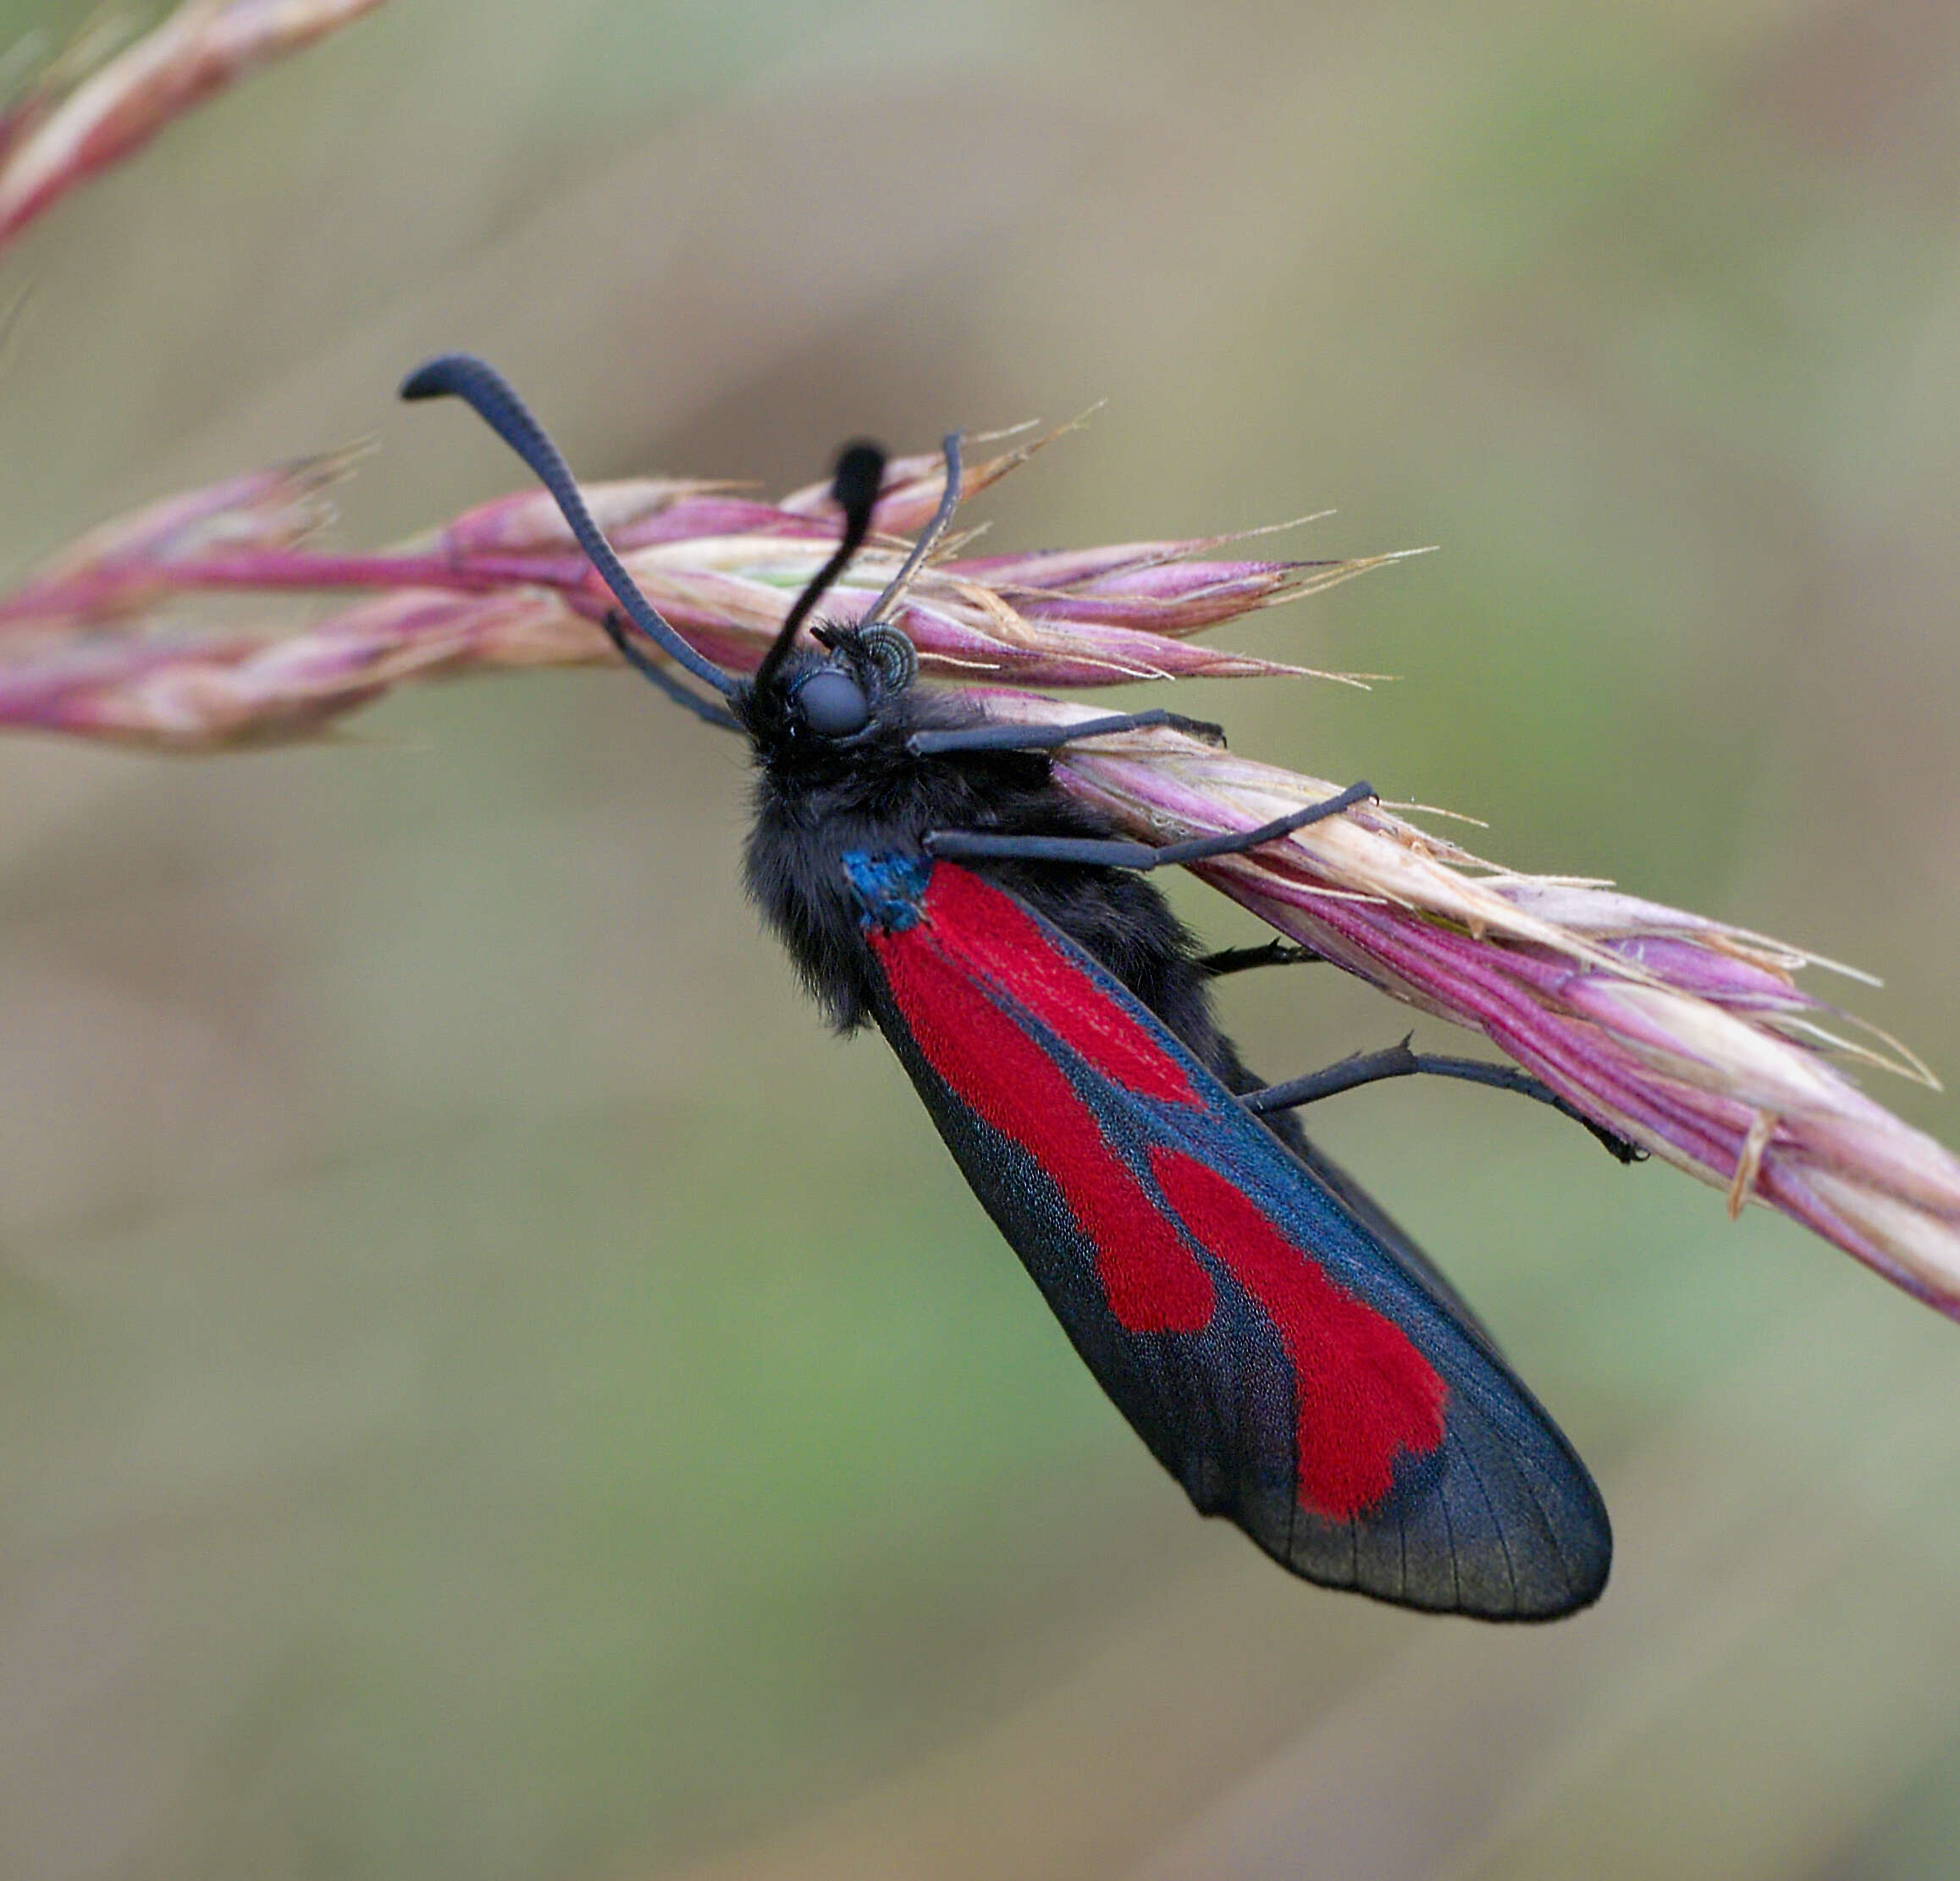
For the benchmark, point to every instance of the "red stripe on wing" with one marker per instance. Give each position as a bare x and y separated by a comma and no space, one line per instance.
1153,1280
1364,1393
989,932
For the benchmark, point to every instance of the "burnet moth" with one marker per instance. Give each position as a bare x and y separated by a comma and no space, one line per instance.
1284,1349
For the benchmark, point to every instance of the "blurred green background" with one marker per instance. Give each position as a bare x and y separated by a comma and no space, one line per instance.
487,1388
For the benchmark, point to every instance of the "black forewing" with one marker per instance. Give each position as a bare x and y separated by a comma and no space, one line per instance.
1500,1520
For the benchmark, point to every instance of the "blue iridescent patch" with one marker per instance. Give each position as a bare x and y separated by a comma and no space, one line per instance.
888,888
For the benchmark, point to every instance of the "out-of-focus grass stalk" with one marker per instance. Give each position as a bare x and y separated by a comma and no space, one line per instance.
93,105
1689,1037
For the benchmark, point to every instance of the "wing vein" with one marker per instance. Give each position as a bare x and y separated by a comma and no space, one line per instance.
1496,1520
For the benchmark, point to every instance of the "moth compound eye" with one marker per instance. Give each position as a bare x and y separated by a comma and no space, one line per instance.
832,703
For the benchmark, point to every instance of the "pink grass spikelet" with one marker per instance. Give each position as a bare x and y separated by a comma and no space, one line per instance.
1689,1037
504,586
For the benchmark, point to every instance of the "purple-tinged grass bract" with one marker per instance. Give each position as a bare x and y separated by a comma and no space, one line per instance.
1688,1035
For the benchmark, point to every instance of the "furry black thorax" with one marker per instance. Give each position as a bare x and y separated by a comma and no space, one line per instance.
816,799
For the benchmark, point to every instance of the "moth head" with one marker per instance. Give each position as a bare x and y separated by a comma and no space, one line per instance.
838,699
868,667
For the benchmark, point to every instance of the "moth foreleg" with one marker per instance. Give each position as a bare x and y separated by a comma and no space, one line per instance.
1049,737
1114,853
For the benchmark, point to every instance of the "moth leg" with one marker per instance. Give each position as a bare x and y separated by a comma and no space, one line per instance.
1398,1060
635,656
1114,853
1240,960
1049,737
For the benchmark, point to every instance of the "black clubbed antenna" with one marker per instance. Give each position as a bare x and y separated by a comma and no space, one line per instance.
854,489
481,387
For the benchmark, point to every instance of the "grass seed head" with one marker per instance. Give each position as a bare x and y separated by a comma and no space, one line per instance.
1690,1038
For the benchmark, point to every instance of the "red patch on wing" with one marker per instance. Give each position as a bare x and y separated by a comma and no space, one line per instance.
987,930
1153,1280
1364,1393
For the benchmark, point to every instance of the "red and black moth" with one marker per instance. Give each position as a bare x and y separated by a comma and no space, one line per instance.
1284,1349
